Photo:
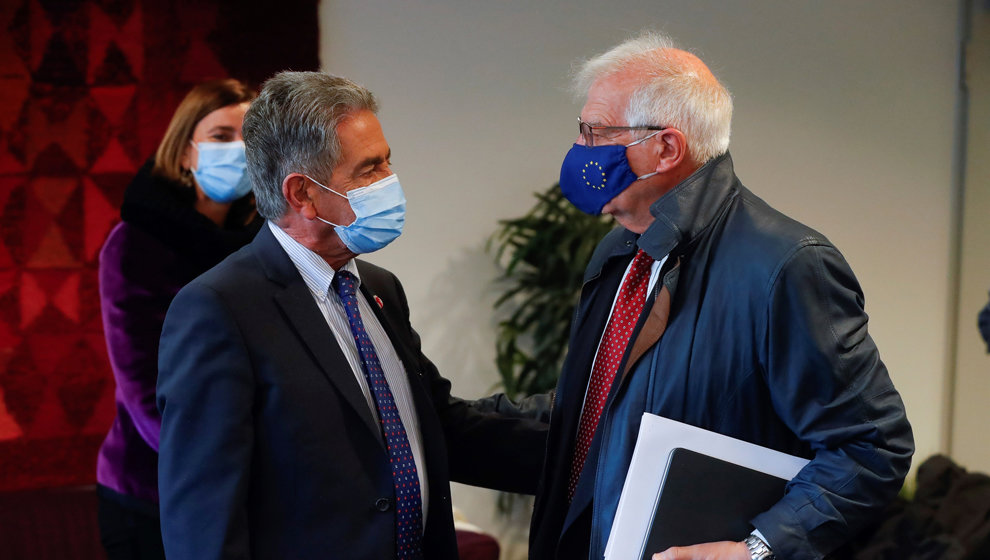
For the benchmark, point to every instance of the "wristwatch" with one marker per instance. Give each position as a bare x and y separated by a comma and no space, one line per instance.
758,550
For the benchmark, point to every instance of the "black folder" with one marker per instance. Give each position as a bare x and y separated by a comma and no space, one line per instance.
705,499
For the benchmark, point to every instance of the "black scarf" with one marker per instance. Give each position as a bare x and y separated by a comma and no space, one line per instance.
165,209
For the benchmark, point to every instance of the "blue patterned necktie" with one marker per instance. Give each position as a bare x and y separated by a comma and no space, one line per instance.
408,503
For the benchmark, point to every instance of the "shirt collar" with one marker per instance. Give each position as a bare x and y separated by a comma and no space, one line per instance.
314,270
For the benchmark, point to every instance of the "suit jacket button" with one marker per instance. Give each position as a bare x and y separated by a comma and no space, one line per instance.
382,504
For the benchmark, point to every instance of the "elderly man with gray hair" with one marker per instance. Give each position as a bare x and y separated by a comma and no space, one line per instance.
708,307
300,418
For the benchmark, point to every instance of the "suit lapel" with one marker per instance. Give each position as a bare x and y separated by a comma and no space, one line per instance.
651,327
589,327
385,304
585,489
577,370
655,323
370,289
302,314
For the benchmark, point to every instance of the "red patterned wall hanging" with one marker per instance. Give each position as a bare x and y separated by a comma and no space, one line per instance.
86,91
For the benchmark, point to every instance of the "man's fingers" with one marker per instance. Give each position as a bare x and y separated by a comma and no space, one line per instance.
672,553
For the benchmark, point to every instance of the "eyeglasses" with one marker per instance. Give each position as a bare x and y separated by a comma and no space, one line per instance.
589,131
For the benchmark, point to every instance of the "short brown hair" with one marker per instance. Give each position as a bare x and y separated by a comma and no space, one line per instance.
199,102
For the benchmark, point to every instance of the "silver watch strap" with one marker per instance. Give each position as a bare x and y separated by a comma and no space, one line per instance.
758,549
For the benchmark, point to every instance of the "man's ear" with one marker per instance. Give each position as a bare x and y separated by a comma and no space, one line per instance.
671,144
295,189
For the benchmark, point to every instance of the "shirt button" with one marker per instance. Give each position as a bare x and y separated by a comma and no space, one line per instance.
382,504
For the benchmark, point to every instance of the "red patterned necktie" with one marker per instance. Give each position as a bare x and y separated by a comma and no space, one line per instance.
625,314
405,477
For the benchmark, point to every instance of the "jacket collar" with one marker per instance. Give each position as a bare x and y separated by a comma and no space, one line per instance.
680,216
165,209
689,209
276,263
296,300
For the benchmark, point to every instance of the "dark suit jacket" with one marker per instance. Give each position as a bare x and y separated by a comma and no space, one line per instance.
268,448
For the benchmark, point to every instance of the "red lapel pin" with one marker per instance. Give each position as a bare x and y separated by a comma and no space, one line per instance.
378,300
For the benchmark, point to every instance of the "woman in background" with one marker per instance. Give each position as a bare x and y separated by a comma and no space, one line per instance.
185,211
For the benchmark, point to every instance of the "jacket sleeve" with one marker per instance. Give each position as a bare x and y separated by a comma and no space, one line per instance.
491,442
205,394
495,442
534,407
134,298
983,322
828,385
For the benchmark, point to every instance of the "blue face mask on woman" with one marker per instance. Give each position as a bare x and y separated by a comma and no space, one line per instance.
221,170
592,176
379,210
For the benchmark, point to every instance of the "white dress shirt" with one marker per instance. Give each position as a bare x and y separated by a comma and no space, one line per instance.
318,276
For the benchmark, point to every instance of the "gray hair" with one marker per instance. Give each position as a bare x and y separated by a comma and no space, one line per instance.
671,93
292,128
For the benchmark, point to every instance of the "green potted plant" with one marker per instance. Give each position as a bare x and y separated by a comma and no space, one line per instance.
542,256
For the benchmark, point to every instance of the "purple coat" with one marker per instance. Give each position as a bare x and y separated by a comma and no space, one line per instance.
161,244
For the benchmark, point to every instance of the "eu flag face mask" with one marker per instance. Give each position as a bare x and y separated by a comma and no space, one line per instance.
592,176
220,170
379,214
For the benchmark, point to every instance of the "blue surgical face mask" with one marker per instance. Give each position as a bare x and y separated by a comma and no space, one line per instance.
220,170
379,214
592,176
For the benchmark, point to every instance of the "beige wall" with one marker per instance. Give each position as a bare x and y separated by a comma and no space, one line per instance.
844,120
972,383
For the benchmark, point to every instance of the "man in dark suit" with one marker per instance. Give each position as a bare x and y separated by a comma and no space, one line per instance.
709,307
300,418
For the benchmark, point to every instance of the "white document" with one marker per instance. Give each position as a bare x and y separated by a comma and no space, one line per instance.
658,436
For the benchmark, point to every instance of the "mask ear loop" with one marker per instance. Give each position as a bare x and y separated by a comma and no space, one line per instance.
195,147
640,141
324,186
644,139
329,223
